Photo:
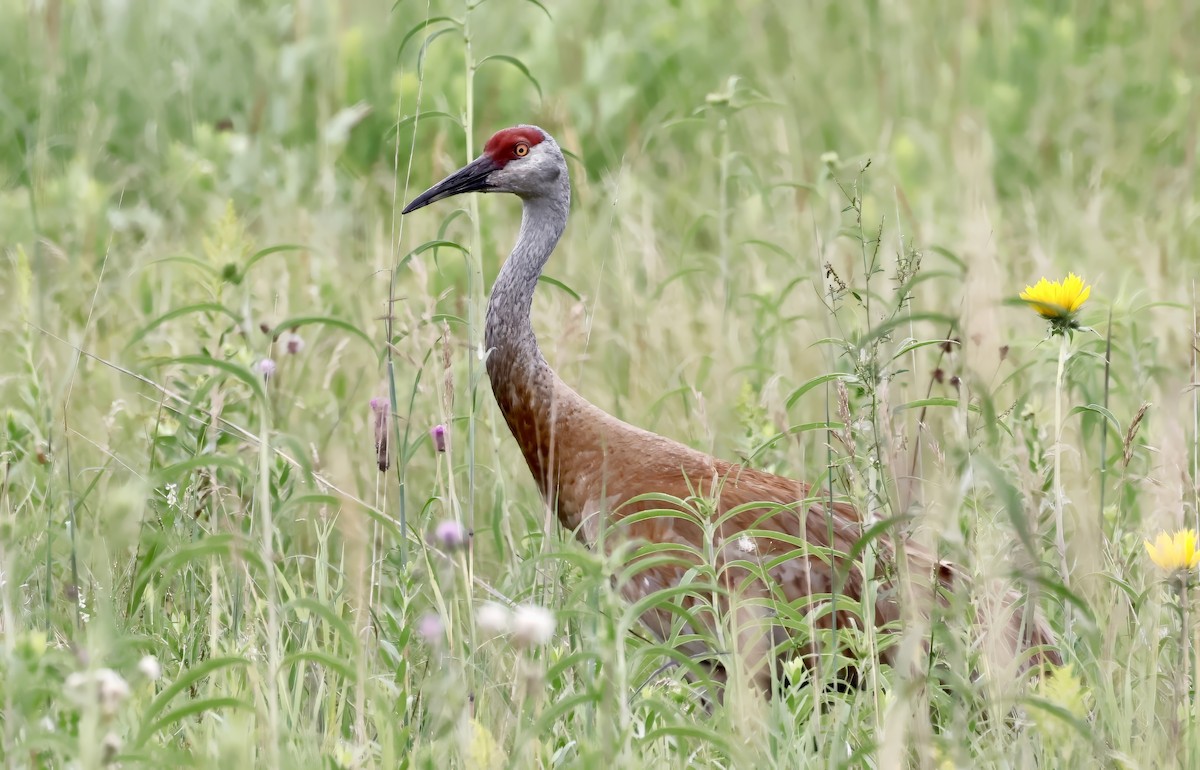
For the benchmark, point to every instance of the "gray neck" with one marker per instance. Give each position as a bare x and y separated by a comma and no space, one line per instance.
508,335
523,383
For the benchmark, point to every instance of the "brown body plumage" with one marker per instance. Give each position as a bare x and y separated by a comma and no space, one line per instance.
592,469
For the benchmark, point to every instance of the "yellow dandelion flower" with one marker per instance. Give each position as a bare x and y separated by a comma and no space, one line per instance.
1174,552
1058,302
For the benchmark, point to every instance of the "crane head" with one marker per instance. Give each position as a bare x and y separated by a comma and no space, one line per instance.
523,160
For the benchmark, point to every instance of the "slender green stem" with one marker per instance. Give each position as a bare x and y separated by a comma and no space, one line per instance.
1104,428
267,550
1060,537
475,300
1195,356
1190,757
89,738
1183,686
723,211
474,272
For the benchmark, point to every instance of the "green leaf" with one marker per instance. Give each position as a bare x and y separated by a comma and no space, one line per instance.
687,731
887,326
236,370
448,318
770,247
791,431
677,275
574,660
312,498
790,185
258,256
336,323
425,49
531,2
1106,414
438,244
192,708
950,255
936,401
170,315
814,382
190,261
1010,497
1059,589
220,546
1060,713
343,668
557,710
175,470
661,600
927,275
422,116
544,9
910,347
327,614
1132,594
516,63
876,530
559,284
422,25
187,678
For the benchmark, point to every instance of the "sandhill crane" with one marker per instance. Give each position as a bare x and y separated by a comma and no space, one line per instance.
591,467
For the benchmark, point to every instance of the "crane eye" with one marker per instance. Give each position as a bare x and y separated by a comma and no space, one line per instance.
521,150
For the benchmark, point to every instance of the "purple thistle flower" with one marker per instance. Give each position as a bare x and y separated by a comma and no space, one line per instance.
450,535
438,433
430,628
293,343
266,367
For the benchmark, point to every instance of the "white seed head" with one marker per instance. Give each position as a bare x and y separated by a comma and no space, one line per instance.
111,689
493,618
149,667
532,625
76,686
102,687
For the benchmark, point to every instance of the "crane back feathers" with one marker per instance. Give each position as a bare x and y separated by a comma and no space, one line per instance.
593,469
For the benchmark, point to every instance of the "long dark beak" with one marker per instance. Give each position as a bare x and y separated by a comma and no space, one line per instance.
470,178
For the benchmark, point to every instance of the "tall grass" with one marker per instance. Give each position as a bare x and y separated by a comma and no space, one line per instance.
795,238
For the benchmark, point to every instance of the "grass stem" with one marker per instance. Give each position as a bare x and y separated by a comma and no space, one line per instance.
1060,536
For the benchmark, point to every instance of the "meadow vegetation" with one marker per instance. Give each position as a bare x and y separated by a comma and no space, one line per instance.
798,234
